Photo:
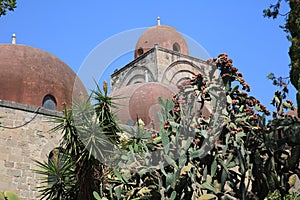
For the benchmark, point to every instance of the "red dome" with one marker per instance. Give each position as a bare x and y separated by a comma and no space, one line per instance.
28,75
141,100
164,36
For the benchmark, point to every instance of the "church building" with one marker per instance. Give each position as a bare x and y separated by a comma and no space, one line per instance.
161,62
34,85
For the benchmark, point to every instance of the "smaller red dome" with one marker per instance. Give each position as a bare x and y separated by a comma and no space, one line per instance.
164,36
141,101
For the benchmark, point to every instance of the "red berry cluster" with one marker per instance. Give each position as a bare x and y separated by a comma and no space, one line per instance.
228,71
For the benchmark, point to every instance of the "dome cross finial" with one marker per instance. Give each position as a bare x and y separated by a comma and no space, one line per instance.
158,21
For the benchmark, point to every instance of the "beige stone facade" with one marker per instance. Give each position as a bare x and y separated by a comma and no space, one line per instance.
161,63
24,136
164,67
158,65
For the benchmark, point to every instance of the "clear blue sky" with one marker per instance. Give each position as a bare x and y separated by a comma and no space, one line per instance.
72,29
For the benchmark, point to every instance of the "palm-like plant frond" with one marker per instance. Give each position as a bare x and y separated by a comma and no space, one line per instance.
103,106
89,132
58,178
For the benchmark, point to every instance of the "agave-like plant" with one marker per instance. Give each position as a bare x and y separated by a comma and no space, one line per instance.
87,130
58,177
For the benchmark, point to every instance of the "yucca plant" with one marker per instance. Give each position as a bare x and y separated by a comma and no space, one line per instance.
87,129
58,177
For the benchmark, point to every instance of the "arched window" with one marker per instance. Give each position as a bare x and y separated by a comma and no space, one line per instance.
49,102
140,51
176,47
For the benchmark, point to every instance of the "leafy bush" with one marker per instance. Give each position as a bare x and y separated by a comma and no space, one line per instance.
190,156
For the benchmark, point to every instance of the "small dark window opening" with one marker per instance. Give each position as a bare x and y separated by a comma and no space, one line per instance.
49,102
176,47
140,51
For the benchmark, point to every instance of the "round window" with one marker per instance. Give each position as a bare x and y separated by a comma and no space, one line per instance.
140,51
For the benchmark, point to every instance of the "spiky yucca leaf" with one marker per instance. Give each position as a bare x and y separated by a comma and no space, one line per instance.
58,178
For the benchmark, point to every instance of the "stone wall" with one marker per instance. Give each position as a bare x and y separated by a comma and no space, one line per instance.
143,69
158,65
24,136
174,67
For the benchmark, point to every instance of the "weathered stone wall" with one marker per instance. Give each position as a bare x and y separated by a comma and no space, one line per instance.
174,67
24,136
158,65
137,71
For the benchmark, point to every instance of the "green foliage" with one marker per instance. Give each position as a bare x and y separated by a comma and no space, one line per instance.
252,158
7,5
7,195
292,28
248,157
277,195
87,130
59,181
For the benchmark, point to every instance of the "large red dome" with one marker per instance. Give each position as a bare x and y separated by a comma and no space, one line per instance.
32,76
141,101
164,36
